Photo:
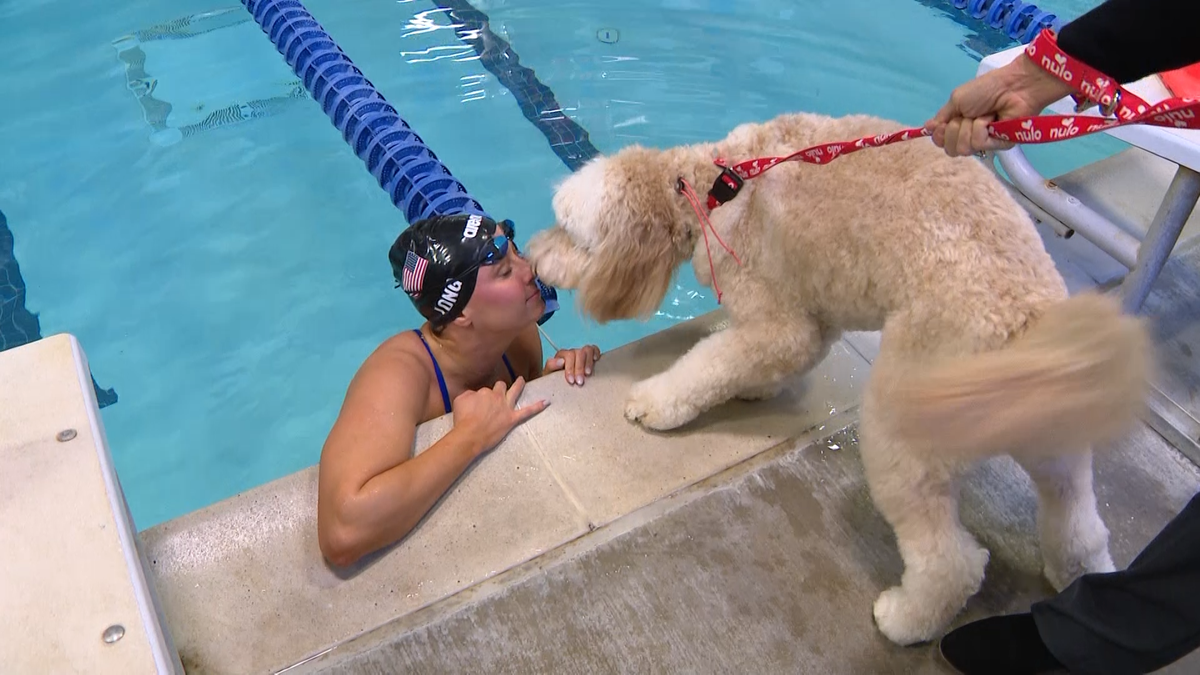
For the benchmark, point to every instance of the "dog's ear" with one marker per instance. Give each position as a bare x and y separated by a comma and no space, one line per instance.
644,241
628,277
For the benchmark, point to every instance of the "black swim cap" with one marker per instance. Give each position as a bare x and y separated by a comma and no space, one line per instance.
436,261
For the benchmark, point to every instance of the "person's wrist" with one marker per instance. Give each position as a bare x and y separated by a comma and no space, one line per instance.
1034,84
471,439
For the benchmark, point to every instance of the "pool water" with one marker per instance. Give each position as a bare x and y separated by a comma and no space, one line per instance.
227,279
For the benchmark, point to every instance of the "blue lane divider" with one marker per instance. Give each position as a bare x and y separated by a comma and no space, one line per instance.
411,174
1021,21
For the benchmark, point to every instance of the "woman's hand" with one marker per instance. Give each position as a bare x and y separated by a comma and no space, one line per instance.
487,415
576,364
1018,89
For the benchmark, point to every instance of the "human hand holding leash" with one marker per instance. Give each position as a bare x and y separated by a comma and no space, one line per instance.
1018,89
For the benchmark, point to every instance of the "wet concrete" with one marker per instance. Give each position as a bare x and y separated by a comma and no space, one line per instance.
771,567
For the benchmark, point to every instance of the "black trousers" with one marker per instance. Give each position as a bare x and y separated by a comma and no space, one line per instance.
1133,621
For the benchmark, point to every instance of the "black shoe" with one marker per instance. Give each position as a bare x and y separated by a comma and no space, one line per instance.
1000,645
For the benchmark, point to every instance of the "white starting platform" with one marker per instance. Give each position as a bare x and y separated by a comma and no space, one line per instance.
74,593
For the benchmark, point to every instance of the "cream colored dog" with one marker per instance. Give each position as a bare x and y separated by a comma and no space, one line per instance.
982,352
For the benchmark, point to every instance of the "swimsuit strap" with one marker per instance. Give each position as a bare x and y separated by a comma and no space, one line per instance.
442,380
438,370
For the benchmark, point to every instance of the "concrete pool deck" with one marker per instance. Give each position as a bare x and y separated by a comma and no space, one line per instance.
244,585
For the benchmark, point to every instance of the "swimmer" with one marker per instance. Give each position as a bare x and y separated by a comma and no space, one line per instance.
472,357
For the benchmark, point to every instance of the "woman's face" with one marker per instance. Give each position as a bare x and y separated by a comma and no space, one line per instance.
505,297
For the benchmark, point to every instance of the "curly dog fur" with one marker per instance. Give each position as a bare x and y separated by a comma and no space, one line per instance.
982,353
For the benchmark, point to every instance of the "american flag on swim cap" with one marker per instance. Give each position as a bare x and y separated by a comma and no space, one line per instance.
414,273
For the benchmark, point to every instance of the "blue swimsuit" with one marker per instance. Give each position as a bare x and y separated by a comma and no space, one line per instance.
442,381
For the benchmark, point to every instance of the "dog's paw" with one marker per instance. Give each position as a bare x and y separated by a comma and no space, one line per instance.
1058,577
653,404
901,619
764,392
1061,574
1074,544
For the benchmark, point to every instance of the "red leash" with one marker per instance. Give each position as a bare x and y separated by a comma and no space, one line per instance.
686,190
1092,87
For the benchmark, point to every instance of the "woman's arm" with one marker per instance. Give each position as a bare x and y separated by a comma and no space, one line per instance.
1130,39
371,490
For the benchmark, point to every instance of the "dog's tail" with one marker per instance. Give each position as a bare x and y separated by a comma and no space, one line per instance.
1077,377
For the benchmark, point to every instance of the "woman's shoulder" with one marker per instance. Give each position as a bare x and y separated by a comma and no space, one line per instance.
402,351
386,398
400,361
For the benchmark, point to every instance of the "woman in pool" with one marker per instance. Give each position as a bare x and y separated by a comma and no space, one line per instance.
472,357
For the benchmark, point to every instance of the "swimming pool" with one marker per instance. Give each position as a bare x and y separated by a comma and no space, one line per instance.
226,279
